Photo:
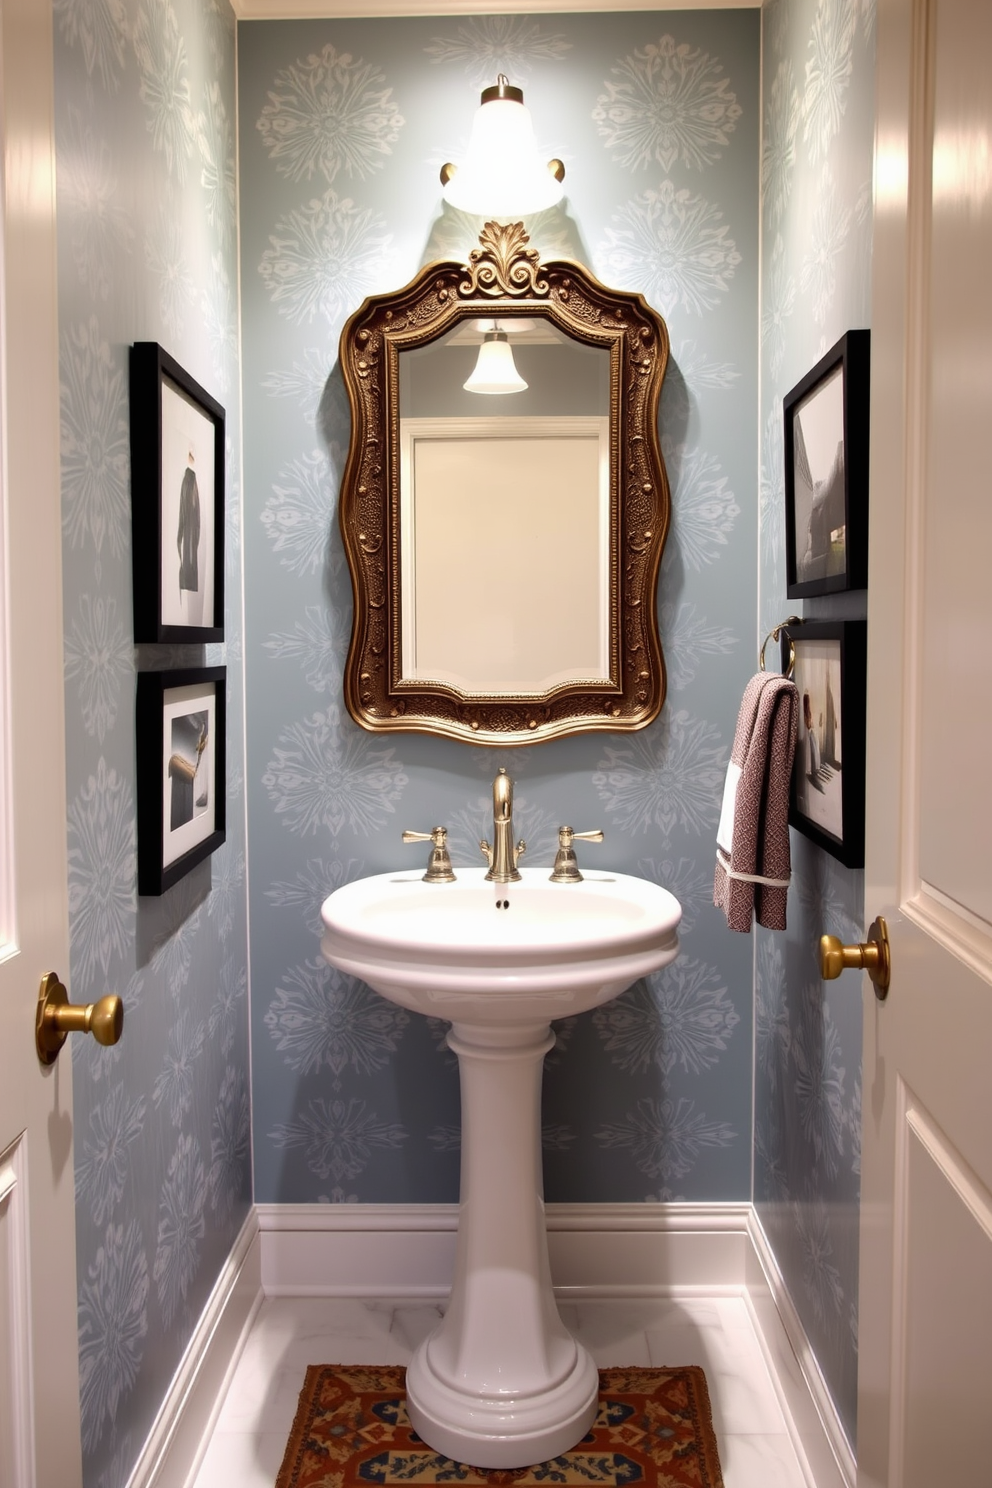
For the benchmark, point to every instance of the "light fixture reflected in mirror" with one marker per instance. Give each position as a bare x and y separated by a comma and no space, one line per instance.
495,370
503,175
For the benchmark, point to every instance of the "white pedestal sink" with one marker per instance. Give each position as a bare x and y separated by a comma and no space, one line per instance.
501,1383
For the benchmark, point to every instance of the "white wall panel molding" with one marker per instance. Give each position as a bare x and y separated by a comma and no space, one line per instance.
941,1209
171,1454
817,1433
954,927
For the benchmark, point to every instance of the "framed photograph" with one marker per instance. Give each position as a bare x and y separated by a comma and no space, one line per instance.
826,472
827,802
177,502
180,721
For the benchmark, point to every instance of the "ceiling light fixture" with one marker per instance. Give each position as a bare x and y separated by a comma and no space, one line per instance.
503,175
495,371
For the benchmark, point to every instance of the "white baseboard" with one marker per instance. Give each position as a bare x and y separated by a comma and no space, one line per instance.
647,1249
817,1433
357,1250
407,1250
172,1452
395,1251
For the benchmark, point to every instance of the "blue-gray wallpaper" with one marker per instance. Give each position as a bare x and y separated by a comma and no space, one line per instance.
145,109
343,127
818,70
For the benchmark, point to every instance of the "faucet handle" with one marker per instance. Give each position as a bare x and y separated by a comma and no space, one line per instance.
439,863
566,869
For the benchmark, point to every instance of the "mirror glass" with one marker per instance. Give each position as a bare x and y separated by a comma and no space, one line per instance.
505,511
504,539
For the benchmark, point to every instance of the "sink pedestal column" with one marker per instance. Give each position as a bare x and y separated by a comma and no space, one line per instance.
501,1382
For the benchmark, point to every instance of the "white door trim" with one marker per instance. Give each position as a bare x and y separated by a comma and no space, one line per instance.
35,1102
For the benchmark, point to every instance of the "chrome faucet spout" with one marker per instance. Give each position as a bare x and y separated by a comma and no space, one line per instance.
502,856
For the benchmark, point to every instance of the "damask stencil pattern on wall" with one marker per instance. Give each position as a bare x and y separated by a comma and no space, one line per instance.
146,209
818,62
344,125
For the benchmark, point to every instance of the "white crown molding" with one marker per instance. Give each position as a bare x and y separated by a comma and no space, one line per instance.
336,10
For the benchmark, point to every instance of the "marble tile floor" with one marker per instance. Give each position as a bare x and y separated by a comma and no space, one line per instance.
249,1437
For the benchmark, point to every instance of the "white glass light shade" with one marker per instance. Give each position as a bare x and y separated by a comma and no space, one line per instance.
495,370
503,175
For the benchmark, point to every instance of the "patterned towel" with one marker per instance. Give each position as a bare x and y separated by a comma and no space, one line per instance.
753,864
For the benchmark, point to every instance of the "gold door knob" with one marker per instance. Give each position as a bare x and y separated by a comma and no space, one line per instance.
872,957
57,1017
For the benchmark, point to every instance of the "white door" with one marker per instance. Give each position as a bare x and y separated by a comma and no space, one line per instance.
39,1389
925,1343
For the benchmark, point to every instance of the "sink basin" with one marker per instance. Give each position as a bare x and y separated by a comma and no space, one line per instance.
501,1383
447,950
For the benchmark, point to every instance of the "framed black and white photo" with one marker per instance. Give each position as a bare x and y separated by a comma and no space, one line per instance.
177,501
181,779
827,801
826,472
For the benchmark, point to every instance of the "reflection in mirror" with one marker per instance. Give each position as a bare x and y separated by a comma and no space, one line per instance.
505,513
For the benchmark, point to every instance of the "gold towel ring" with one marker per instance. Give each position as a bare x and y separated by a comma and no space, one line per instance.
773,635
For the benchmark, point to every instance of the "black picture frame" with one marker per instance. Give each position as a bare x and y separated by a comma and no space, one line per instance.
827,794
176,828
827,419
177,501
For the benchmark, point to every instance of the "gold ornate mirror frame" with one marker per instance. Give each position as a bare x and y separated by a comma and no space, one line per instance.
504,277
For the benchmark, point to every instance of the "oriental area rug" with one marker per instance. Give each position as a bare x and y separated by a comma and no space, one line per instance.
653,1429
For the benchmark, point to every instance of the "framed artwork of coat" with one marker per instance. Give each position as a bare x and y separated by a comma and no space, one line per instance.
177,501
